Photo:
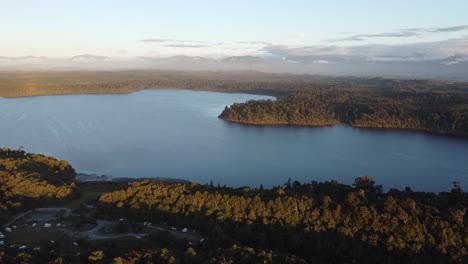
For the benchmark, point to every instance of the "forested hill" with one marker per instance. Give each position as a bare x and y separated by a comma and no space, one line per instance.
409,107
30,180
320,222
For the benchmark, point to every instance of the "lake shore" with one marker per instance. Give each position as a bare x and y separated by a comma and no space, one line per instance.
82,177
370,128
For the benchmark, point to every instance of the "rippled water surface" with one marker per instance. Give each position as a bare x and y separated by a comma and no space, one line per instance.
176,133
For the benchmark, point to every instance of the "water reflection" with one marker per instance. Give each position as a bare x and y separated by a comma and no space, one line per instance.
165,133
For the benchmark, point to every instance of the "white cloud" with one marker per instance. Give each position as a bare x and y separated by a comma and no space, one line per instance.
401,52
456,60
168,40
187,46
320,62
404,33
254,43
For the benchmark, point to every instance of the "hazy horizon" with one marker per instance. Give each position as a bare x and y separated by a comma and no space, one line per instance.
363,38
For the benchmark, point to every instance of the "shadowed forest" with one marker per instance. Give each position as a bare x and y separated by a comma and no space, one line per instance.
417,109
293,222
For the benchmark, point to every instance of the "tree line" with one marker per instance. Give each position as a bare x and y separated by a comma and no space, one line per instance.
404,108
320,222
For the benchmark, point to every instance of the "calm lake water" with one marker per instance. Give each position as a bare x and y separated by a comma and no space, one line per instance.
176,134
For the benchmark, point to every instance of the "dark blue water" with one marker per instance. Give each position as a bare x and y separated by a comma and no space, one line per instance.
167,133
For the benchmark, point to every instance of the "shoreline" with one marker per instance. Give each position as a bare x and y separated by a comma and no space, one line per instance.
380,129
83,177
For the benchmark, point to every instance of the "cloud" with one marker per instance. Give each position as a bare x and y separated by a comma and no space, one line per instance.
404,33
187,46
40,58
156,40
320,62
168,40
401,34
254,43
423,51
457,59
90,57
285,50
448,29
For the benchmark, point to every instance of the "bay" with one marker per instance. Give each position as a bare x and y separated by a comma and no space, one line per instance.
176,134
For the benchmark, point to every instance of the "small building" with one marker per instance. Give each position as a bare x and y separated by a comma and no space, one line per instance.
2,242
22,247
34,225
47,225
75,244
8,229
2,235
185,230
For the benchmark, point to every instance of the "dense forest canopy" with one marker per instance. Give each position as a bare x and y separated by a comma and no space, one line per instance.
29,180
421,109
325,222
292,223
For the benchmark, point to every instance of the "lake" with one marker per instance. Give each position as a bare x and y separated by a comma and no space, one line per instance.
176,134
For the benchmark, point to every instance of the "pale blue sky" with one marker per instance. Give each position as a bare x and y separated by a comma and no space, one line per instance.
59,28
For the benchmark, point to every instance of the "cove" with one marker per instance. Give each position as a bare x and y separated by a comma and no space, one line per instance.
176,134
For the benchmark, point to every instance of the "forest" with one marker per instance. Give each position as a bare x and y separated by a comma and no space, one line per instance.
314,222
24,83
404,108
30,180
319,222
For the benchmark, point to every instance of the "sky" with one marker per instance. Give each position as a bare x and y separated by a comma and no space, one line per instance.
294,31
219,28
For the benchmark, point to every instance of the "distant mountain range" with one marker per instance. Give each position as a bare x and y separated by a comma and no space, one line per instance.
453,67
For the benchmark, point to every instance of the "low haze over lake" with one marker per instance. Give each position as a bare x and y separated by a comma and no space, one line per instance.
176,133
